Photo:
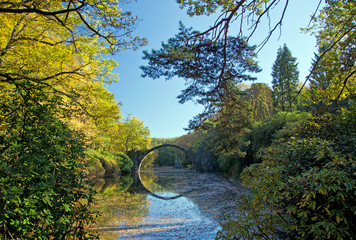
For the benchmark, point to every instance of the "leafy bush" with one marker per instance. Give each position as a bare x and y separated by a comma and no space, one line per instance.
124,162
107,164
326,201
42,193
276,129
255,220
93,164
303,189
340,130
232,164
225,162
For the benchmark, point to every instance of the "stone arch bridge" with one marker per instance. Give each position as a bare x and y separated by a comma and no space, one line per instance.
203,160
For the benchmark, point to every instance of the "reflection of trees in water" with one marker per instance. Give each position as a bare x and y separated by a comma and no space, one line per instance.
166,179
150,159
106,186
157,184
116,203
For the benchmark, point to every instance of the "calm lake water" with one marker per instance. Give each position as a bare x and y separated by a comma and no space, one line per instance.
130,212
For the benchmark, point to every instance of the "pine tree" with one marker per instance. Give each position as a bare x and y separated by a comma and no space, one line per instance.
285,79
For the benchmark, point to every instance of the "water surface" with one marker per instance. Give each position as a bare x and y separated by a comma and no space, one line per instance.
129,212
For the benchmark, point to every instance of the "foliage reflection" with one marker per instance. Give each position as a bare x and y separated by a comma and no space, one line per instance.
116,203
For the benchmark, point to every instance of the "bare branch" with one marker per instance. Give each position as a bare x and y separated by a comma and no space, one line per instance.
315,12
92,29
344,84
11,78
41,41
259,19
278,24
331,46
225,21
42,12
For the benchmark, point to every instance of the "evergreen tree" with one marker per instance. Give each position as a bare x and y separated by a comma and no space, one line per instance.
212,72
321,78
285,79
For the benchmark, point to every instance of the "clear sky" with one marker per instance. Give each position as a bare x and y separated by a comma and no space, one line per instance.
155,102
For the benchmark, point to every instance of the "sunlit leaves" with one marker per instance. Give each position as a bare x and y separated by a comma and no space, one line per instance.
334,74
259,97
207,7
132,134
53,73
93,18
37,53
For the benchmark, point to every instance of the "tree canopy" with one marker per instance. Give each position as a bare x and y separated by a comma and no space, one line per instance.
333,72
83,18
334,26
53,106
259,97
200,65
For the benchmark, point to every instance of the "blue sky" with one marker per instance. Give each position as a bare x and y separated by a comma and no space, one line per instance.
155,102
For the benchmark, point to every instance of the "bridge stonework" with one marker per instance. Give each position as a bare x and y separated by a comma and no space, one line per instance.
203,160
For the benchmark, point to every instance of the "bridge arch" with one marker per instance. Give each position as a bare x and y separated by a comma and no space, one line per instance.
189,155
187,152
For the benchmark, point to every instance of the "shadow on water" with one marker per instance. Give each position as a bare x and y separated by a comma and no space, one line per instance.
129,212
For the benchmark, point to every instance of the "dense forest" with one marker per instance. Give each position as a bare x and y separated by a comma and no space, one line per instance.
293,144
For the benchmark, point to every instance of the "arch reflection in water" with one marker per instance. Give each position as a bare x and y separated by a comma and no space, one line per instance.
164,183
163,155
